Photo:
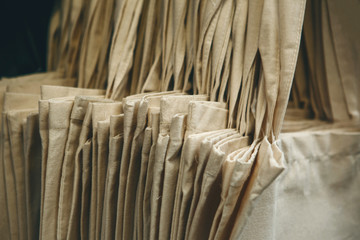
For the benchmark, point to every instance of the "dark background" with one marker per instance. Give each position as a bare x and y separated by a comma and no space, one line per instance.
23,36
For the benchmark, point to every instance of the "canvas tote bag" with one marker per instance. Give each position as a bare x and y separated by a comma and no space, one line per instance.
102,167
227,170
59,121
112,176
67,171
290,37
169,106
330,166
82,120
210,191
48,92
204,152
32,174
171,168
15,120
130,105
200,113
86,156
12,102
134,166
100,112
153,115
155,122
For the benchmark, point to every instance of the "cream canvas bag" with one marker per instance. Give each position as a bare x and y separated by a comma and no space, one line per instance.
15,120
12,102
82,131
32,174
153,115
59,122
199,117
112,176
100,112
205,148
149,175
210,191
68,168
86,156
167,111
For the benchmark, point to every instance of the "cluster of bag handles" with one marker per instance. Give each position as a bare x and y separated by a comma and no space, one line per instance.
239,52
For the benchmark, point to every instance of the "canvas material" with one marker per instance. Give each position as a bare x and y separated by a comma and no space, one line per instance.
171,168
32,155
100,112
205,147
180,105
130,105
210,193
149,176
292,190
68,171
112,176
59,121
86,156
153,117
12,102
15,120
198,119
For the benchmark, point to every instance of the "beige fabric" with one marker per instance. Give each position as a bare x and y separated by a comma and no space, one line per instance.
79,215
221,42
130,113
227,170
237,170
100,112
122,48
134,164
130,105
209,16
12,102
48,92
44,136
315,185
9,180
169,106
171,168
199,117
210,189
185,182
239,36
86,156
93,56
336,95
103,128
4,224
161,146
30,77
81,118
205,148
135,157
67,174
15,120
345,33
269,164
112,176
291,22
34,86
153,115
32,174
59,121
155,122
